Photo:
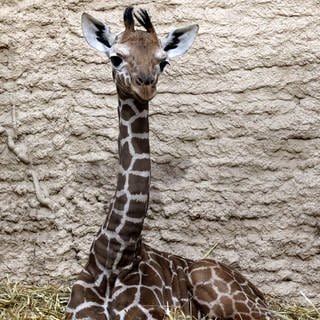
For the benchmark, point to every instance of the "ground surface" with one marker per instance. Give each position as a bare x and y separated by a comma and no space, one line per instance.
21,302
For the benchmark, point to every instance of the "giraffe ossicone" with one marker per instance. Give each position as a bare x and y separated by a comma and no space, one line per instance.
124,278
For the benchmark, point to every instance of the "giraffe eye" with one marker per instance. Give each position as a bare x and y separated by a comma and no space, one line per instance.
162,64
116,61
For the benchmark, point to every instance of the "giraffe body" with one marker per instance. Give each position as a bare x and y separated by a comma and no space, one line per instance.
159,282
124,278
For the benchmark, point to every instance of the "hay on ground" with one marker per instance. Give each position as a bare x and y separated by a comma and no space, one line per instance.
29,302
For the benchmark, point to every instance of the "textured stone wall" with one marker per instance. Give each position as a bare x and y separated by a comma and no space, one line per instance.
235,139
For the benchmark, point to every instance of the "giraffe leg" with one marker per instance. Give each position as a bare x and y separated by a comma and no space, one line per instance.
85,301
223,293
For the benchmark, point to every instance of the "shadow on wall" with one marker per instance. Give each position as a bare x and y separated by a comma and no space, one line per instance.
166,174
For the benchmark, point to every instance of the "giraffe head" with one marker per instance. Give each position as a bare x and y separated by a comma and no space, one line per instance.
137,57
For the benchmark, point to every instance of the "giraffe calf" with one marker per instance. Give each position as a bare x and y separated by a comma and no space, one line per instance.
124,279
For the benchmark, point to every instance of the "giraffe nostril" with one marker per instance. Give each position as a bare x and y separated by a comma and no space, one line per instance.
145,80
139,81
152,80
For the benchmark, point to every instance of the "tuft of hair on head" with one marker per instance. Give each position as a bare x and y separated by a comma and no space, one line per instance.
128,19
143,18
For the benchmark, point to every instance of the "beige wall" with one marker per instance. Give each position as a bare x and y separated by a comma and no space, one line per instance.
235,139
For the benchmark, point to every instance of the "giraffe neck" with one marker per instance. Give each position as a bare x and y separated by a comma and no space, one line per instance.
123,226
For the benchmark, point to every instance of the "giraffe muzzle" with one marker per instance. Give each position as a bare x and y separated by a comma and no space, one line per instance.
145,92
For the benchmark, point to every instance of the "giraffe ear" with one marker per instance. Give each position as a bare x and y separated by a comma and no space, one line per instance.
179,41
96,33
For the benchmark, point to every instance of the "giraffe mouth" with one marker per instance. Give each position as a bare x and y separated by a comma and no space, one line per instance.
145,92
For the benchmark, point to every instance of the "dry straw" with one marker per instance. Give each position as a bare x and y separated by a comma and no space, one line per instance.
26,302
30,302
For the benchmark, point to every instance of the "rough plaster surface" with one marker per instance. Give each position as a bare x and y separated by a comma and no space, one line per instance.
235,139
